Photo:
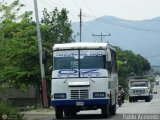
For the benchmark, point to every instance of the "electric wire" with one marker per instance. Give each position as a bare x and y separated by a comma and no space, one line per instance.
153,56
93,25
69,12
94,15
27,4
103,20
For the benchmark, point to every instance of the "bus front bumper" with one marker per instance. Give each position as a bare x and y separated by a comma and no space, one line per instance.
90,102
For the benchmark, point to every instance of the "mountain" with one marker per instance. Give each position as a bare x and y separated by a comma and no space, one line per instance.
142,37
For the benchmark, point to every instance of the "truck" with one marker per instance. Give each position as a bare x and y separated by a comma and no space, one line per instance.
139,89
84,77
157,80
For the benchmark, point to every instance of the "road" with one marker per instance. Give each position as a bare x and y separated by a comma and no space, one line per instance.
128,111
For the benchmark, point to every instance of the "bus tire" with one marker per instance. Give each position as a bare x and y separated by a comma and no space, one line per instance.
130,99
105,111
112,109
73,114
73,111
59,112
67,112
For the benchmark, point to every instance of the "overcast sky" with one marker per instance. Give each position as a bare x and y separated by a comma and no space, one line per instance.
91,9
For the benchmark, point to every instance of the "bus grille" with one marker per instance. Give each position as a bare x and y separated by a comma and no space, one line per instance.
79,94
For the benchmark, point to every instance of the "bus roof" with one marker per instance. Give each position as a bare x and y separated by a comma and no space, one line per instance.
82,45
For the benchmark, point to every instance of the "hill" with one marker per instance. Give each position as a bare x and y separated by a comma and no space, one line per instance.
142,37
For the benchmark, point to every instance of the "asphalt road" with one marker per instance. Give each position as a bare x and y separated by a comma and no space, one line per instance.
128,111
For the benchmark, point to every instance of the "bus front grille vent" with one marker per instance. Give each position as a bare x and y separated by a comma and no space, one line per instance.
79,94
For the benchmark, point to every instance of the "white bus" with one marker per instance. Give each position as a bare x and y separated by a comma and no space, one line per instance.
84,77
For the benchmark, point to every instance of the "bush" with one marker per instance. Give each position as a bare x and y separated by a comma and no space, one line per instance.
6,109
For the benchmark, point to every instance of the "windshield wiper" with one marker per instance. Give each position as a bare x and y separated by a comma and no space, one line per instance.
91,79
66,78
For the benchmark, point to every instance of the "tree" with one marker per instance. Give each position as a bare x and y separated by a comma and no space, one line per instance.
20,53
130,64
9,12
19,58
55,28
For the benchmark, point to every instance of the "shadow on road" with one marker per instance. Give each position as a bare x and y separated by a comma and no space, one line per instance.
94,117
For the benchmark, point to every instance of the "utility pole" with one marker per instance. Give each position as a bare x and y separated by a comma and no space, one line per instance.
101,36
44,89
80,25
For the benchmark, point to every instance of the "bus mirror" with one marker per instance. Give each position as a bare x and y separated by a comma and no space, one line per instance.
108,56
50,69
44,56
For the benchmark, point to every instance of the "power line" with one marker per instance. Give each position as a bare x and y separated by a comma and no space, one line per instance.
51,2
94,15
153,56
76,4
125,26
27,4
101,36
77,18
70,12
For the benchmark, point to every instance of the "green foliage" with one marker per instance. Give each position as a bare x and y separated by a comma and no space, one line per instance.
10,111
55,28
19,52
151,78
130,64
19,58
10,11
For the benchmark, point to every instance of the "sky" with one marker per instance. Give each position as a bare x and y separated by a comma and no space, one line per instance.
92,9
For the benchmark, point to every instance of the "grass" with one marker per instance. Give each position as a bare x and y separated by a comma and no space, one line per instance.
7,110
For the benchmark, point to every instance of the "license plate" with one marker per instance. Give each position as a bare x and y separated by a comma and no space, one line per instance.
79,103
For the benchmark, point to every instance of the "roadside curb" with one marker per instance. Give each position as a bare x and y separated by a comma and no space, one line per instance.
39,111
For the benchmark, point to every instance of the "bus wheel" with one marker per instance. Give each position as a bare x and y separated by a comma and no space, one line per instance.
130,99
105,111
73,112
67,112
112,109
59,112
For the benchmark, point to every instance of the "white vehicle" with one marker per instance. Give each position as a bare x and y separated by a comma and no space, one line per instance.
157,80
139,89
84,77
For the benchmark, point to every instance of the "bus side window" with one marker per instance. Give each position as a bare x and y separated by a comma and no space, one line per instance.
113,64
109,66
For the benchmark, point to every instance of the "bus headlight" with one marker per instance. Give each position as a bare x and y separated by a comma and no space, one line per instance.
99,94
60,96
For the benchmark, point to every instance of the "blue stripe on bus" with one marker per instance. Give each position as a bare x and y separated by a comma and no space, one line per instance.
89,102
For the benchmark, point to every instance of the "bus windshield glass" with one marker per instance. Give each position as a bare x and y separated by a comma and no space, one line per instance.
65,60
79,63
92,59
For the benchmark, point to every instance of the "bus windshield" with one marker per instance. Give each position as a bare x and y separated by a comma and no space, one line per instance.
92,62
79,63
87,59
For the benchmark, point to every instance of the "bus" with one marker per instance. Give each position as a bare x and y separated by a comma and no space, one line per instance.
84,77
